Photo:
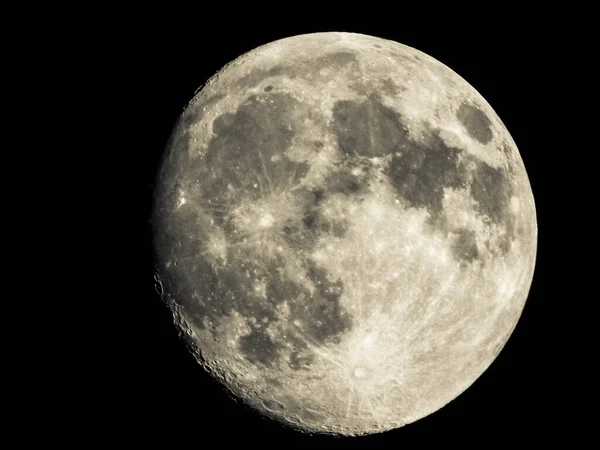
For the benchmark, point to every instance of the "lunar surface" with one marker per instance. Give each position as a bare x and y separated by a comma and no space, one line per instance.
345,232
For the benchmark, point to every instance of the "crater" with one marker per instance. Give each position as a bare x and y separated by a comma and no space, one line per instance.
300,360
360,372
274,406
476,122
266,221
255,77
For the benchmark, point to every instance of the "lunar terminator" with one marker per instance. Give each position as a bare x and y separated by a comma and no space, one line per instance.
345,232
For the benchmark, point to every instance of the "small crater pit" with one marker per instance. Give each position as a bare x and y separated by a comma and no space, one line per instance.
274,406
360,372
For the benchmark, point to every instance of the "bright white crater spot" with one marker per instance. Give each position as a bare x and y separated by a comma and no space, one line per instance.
266,221
359,372
515,205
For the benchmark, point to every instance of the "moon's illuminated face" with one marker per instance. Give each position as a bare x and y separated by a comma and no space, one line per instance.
345,231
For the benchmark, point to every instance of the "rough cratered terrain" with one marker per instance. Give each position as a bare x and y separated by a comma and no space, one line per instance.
344,230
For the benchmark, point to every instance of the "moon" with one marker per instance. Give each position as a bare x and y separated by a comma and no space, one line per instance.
344,231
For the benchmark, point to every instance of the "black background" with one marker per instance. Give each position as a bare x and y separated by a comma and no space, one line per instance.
152,390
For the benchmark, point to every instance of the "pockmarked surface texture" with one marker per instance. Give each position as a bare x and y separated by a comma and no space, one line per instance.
345,232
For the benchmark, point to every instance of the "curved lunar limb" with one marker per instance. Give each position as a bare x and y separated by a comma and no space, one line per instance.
345,232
